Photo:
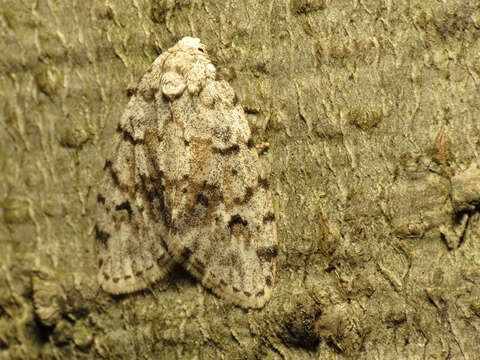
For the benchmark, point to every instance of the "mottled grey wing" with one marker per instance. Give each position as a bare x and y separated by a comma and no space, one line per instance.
221,220
130,227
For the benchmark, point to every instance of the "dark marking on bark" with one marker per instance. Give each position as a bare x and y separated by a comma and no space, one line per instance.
247,294
237,219
127,277
187,143
106,276
100,263
250,143
268,281
270,217
223,283
234,149
234,172
139,273
236,290
108,165
100,199
267,253
116,279
261,293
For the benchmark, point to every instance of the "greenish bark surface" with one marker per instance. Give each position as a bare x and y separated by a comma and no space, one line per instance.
372,113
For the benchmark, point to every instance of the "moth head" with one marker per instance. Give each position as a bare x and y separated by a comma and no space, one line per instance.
192,45
172,84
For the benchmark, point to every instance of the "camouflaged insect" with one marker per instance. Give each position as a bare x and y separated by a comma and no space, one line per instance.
184,185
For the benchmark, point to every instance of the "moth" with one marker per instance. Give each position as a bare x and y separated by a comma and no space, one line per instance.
184,184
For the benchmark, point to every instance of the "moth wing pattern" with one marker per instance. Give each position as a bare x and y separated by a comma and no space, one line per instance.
185,184
221,220
130,224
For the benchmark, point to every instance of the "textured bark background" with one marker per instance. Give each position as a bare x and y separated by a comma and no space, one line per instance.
372,112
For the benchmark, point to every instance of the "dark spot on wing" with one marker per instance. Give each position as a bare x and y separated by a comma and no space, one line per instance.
237,219
185,253
234,149
131,90
269,217
114,177
148,94
267,253
202,199
108,164
101,236
100,199
160,259
199,266
263,183
260,293
248,194
125,206
251,109
113,174
209,187
167,218
128,137
268,281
